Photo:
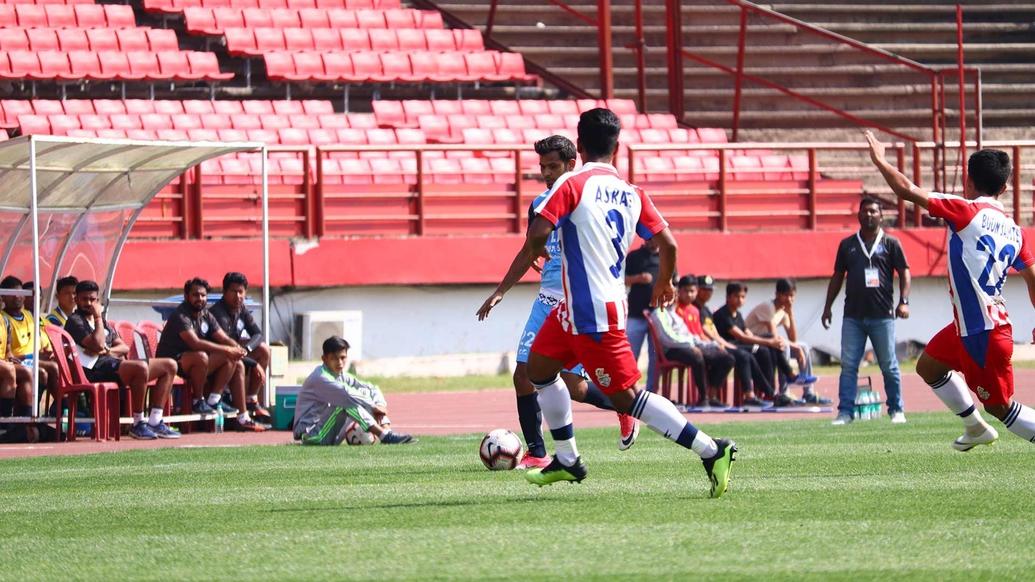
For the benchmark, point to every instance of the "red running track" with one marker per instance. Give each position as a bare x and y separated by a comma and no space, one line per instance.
442,413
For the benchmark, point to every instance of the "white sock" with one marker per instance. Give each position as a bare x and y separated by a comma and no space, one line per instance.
243,417
953,392
138,417
214,398
253,399
555,402
665,419
1021,421
156,417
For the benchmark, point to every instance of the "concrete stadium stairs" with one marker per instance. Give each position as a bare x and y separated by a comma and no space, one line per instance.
999,37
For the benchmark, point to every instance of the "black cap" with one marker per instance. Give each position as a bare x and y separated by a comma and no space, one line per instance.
706,282
687,281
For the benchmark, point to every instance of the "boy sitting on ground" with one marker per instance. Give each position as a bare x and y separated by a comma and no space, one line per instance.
331,397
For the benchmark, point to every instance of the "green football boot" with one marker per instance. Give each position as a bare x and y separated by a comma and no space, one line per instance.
720,466
556,471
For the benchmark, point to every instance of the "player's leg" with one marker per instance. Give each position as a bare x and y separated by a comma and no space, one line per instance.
220,371
530,417
551,352
994,384
694,359
638,332
882,336
718,363
937,366
582,390
163,372
133,374
256,363
853,342
194,368
743,369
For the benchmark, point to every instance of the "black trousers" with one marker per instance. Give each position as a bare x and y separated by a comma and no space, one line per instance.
749,373
709,366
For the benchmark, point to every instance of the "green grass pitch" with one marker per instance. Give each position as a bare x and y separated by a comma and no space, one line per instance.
867,501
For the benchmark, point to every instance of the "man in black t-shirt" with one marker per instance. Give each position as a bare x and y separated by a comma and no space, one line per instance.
729,322
103,356
206,356
238,323
641,269
868,261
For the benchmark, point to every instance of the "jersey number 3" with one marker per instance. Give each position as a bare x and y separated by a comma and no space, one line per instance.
1006,255
617,222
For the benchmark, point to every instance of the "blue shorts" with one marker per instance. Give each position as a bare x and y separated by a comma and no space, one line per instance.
541,308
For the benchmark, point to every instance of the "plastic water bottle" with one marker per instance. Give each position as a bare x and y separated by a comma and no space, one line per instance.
857,410
64,421
867,412
219,420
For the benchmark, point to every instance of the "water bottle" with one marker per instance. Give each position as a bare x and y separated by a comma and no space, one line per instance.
857,410
867,405
219,420
64,421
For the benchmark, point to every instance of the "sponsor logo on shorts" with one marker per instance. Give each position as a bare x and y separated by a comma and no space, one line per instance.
603,378
982,393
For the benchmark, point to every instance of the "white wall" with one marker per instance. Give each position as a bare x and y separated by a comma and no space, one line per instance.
437,320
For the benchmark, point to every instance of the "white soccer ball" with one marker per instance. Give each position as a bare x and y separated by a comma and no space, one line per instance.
500,450
355,435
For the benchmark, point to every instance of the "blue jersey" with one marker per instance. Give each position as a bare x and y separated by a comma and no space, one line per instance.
551,285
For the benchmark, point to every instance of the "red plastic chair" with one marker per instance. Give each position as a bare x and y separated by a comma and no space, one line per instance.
685,390
119,16
383,39
355,39
89,16
72,382
440,40
40,39
205,66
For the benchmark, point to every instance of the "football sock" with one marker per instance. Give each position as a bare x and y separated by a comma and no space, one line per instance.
6,406
213,399
664,418
953,392
555,403
596,397
156,417
531,420
253,399
138,417
1021,421
243,417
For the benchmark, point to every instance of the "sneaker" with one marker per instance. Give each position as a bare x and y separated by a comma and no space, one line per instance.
755,402
804,380
557,471
396,438
898,417
226,408
720,466
811,397
164,431
842,419
784,400
141,431
965,442
250,426
630,429
202,407
716,403
259,413
530,462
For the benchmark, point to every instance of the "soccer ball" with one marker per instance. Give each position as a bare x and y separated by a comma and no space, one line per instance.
355,435
500,450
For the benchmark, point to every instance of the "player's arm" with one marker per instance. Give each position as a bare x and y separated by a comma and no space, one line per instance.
790,325
664,292
118,348
533,248
1028,274
900,184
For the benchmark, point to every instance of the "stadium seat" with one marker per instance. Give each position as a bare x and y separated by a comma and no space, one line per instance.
199,20
368,19
436,128
230,134
161,39
119,16
445,107
102,40
202,134
468,40
383,40
173,107
711,135
341,19
89,16
219,121
240,41
326,39
204,65
389,113
440,40
298,39
332,121
30,16
126,121
186,121
60,16
257,18
427,19
132,39
351,136
317,107
313,19
453,67
491,121
94,122
72,39
226,18
284,19
78,106
24,65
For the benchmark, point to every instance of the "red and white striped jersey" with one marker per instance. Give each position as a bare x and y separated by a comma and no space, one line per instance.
983,243
597,214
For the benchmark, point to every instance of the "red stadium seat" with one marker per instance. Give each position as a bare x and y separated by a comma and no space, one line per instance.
338,66
711,135
139,106
102,40
202,134
24,65
78,107
501,107
89,16
366,67
313,18
126,121
445,107
86,66
72,39
399,19
269,40
54,65
245,121
132,39
174,65
511,66
386,171
446,171
414,108
406,136
226,18
119,16
452,67
476,170
205,66
355,39
220,121
411,40
622,106
47,107
187,121
435,127
332,121
428,19
257,18
62,124
362,121
317,107
8,18
13,39
109,107
263,135
468,40
231,134
198,106
369,19
42,39
383,39
389,113
162,39
200,20
519,122
298,39
482,66
351,136
440,40
318,136
340,19
309,66
274,121
142,65
326,39
156,121
240,41
173,107
34,125
292,136
60,16
30,16
381,137
491,122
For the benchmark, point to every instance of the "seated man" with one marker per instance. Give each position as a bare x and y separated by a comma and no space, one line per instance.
103,355
20,331
238,323
206,356
684,308
705,358
753,382
15,394
331,397
729,321
764,320
66,301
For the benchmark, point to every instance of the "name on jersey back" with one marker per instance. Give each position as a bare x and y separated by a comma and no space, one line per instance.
992,224
614,197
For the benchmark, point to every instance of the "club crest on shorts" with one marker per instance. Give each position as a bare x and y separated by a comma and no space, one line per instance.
982,393
603,378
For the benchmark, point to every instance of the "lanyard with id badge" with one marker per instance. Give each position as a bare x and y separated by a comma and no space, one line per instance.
871,275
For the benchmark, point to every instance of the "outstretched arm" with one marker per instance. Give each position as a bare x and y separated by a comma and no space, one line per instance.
899,183
534,247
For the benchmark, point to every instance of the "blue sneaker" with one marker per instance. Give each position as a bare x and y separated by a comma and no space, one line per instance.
141,431
164,431
805,380
202,407
227,409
